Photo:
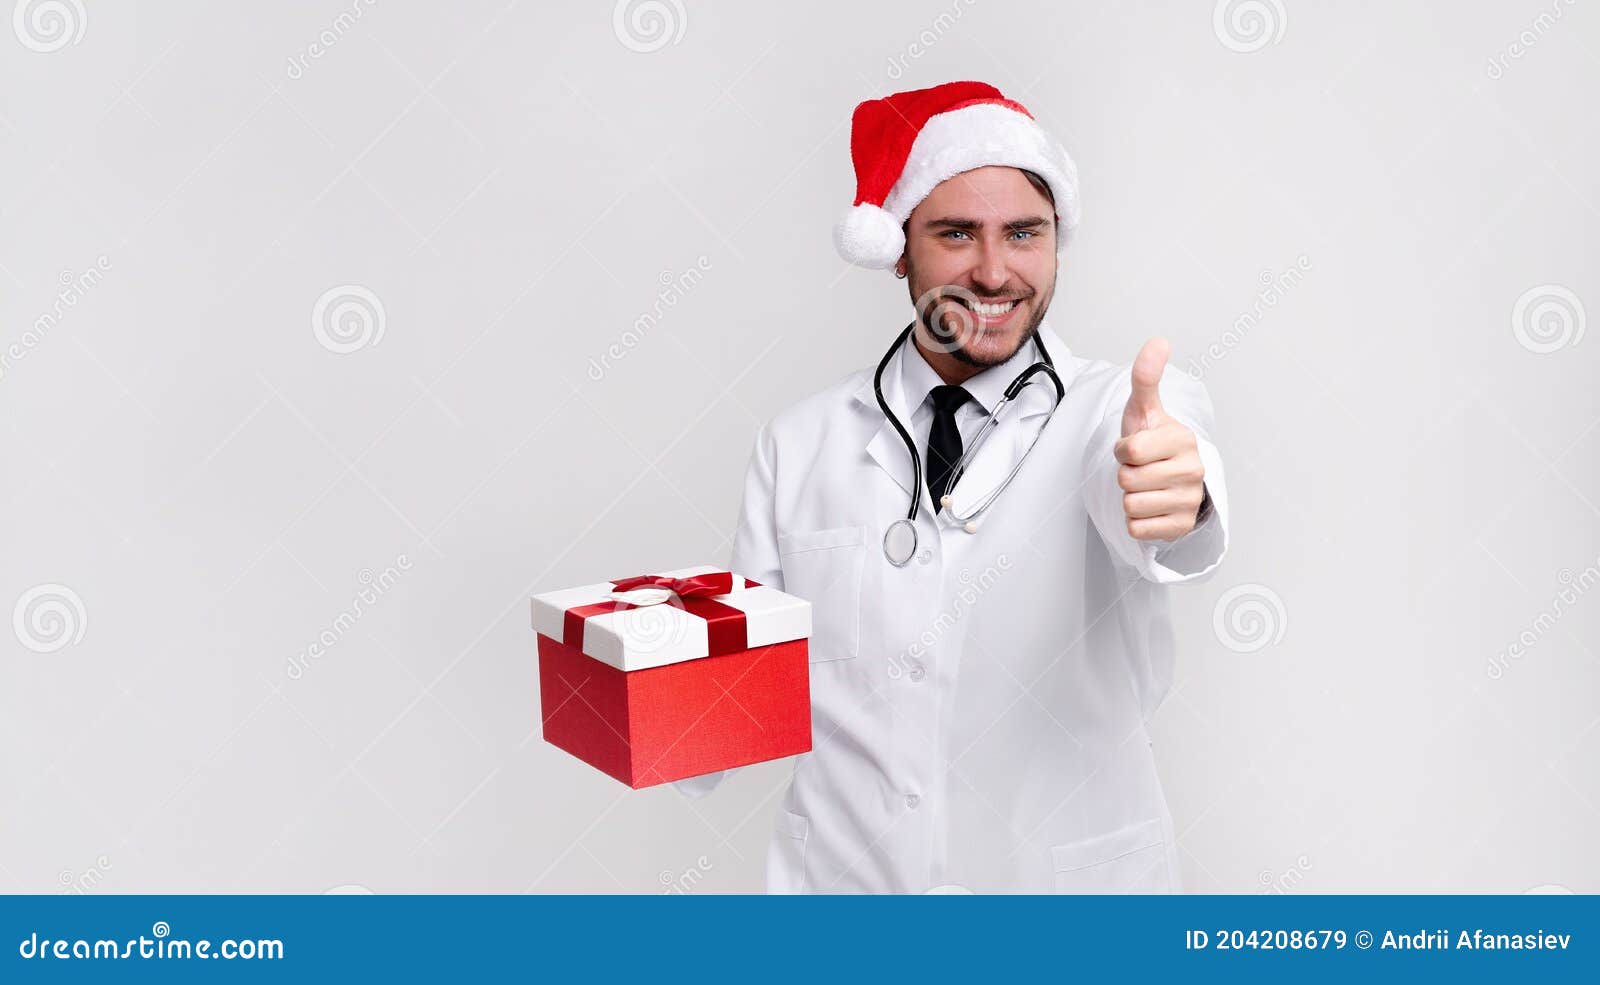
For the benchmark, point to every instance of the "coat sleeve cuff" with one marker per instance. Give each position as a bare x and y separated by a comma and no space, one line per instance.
696,787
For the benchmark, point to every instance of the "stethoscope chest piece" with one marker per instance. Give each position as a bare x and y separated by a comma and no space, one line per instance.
900,542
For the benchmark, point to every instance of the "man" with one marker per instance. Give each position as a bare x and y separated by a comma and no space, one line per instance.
980,704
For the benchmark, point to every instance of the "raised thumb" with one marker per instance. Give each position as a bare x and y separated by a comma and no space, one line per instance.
1144,403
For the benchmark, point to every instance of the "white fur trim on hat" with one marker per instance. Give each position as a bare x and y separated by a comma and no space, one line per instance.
978,136
869,237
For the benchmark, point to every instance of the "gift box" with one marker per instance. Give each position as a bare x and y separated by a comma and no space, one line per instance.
661,677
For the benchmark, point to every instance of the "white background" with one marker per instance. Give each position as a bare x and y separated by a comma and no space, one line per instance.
196,479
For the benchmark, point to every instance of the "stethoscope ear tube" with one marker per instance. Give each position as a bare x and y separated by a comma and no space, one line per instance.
900,540
905,436
1027,375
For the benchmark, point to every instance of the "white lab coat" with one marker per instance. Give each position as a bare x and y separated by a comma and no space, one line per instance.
980,715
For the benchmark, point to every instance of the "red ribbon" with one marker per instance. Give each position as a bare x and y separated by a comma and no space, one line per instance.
694,586
726,630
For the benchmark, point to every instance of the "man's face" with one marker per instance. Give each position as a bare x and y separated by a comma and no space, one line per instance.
981,264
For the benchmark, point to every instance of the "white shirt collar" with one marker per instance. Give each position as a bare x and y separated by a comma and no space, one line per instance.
917,378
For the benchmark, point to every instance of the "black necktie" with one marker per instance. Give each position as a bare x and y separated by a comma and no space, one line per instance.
944,440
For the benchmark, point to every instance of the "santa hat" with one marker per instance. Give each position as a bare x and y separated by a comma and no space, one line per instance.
904,145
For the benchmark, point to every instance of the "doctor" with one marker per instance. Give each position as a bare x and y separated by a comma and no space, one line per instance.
991,630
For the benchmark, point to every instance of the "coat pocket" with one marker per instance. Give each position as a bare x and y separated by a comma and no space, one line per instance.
824,567
1128,860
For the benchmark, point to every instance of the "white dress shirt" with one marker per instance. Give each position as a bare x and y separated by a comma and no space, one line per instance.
918,378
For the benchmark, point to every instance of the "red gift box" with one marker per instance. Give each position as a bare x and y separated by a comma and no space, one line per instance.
663,677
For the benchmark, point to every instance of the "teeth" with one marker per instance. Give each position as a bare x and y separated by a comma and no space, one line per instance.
992,310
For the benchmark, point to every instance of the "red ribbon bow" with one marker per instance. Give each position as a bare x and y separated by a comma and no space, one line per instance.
694,586
725,626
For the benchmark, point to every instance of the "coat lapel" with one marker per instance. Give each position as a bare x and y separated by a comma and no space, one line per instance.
886,447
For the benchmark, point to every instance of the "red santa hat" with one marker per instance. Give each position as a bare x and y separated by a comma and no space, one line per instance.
905,144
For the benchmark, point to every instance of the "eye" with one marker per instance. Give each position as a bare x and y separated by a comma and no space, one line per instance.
1024,232
953,232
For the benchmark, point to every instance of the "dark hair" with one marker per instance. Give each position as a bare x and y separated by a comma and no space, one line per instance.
1040,185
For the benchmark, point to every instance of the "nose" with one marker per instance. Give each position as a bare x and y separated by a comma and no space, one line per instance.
991,268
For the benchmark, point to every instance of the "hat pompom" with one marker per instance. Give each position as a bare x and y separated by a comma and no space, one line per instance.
869,237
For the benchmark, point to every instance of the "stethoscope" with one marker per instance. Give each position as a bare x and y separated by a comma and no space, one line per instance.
900,540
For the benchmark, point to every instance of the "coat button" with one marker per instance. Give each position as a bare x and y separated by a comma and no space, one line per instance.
925,557
918,673
912,800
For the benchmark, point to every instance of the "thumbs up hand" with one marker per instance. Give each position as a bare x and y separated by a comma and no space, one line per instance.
1162,478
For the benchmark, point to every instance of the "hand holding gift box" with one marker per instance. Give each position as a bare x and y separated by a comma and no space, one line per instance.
662,677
